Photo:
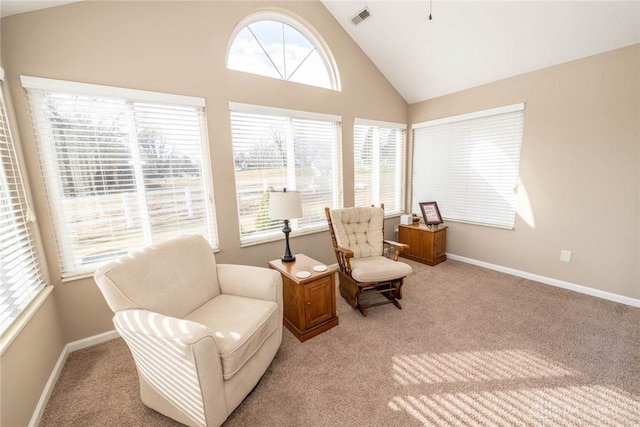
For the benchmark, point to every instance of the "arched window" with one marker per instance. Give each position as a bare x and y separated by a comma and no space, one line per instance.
275,45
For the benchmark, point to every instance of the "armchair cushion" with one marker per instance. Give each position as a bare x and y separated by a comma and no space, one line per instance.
378,269
359,229
239,327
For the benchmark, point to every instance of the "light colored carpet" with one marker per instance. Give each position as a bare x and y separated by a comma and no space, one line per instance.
469,347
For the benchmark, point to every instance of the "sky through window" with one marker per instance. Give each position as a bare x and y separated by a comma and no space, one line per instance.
275,49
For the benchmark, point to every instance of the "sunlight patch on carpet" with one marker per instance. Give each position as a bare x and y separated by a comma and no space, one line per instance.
435,368
579,405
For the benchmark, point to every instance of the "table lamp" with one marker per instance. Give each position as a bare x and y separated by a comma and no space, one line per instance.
285,205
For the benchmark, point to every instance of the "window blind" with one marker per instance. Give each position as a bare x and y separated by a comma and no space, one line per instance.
121,172
469,164
275,149
20,275
378,152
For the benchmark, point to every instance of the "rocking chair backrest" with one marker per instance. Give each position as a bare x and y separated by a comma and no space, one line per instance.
359,229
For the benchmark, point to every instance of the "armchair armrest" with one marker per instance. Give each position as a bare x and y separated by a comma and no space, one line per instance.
156,325
251,282
347,253
343,255
395,248
178,363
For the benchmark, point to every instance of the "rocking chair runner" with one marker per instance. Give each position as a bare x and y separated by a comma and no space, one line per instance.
368,264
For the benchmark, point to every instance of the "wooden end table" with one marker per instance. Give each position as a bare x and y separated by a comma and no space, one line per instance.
426,245
309,303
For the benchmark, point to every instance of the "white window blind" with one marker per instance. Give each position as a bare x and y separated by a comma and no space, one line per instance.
275,149
378,151
469,164
121,171
20,277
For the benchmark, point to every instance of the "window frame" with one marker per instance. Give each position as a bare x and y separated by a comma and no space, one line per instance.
16,207
70,268
337,179
401,168
304,29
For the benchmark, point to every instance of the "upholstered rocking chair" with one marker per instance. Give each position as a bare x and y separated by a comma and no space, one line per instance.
368,264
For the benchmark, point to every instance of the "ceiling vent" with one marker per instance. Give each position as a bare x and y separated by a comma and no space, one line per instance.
361,16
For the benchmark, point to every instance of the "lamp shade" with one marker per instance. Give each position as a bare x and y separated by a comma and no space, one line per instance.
284,205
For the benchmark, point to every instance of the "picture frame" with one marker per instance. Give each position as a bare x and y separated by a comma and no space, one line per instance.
431,213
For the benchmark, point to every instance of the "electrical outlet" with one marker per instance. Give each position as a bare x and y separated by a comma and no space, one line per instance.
565,255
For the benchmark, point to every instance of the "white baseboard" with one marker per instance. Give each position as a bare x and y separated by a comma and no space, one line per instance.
549,281
53,378
93,340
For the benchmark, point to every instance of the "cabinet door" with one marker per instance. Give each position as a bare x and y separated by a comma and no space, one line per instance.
417,242
412,237
318,301
426,244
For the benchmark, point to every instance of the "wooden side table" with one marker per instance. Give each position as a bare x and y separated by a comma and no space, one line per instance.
426,245
309,303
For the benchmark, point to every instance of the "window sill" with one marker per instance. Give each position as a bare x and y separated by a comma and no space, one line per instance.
280,236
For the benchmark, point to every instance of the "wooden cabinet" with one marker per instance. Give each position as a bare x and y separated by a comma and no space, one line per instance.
309,303
426,245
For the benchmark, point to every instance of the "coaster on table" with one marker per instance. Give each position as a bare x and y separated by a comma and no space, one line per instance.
320,267
303,274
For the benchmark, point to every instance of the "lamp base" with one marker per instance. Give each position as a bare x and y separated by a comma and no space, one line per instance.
287,257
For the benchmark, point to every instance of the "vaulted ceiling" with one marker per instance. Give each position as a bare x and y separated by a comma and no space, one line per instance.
12,7
469,43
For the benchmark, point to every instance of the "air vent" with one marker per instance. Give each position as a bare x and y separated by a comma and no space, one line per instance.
361,16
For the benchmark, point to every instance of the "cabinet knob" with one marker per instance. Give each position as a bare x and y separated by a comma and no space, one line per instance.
308,302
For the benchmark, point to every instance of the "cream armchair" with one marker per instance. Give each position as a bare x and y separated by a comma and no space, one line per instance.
202,335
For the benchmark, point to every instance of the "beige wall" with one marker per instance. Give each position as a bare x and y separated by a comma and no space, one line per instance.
174,47
579,167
